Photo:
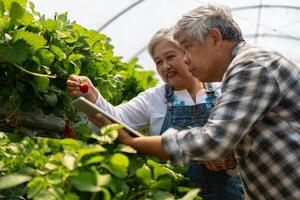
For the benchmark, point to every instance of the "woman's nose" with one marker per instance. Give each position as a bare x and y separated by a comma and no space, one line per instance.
166,65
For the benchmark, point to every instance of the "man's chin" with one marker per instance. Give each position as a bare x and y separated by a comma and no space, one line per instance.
195,74
199,77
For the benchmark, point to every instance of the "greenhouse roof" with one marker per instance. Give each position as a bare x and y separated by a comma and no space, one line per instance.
131,23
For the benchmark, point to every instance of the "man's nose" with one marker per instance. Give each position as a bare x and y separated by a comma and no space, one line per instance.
186,59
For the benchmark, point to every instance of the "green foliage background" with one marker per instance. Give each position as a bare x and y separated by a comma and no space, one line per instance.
37,55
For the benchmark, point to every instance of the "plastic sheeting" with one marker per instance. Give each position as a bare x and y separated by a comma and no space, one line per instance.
131,23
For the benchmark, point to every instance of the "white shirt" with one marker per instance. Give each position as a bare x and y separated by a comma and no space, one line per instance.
149,108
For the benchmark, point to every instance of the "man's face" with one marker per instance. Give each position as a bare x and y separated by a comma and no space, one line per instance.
198,57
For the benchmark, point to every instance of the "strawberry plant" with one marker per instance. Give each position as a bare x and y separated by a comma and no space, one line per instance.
37,55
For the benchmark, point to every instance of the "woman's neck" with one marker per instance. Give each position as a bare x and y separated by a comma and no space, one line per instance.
197,86
193,88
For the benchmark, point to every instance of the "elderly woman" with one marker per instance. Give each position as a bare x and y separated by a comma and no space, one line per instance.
180,103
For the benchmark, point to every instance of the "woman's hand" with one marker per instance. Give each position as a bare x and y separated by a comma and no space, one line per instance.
82,86
100,120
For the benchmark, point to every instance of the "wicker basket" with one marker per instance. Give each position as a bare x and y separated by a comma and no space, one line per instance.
227,162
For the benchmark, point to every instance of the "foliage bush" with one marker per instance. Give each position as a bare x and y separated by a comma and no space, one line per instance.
36,57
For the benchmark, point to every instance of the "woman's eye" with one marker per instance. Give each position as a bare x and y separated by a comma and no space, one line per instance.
158,62
170,57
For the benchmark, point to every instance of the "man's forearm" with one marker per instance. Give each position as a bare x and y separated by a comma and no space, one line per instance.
150,145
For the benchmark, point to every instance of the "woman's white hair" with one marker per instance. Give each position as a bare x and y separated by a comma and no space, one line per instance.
162,34
198,22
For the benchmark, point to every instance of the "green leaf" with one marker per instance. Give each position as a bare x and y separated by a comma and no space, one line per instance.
14,53
110,127
31,6
84,130
103,180
92,160
4,22
58,52
192,194
159,195
56,192
125,149
86,151
42,83
15,137
118,185
85,181
7,3
75,56
71,196
163,183
36,41
35,186
50,25
45,195
70,144
144,174
1,9
50,98
105,194
118,164
63,18
12,180
18,14
50,166
161,170
54,178
45,57
68,161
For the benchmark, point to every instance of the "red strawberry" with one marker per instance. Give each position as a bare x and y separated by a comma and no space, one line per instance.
84,87
68,130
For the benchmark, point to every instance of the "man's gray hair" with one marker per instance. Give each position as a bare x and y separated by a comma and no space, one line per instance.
162,34
198,22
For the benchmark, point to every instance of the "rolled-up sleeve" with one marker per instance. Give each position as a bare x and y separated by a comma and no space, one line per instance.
248,90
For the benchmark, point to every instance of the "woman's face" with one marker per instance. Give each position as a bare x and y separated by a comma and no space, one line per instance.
169,64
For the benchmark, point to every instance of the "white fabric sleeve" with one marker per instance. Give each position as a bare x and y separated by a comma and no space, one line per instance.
134,113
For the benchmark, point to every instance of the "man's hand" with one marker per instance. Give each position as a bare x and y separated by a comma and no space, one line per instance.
82,86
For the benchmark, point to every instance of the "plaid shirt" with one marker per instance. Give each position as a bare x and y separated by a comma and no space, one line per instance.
258,116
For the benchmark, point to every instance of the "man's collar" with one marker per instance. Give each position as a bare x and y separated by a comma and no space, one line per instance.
236,48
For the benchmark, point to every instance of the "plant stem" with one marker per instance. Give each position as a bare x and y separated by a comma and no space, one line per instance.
93,196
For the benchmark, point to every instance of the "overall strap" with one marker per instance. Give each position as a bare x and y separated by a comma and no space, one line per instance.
169,91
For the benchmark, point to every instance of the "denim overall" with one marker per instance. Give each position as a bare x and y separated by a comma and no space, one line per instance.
214,185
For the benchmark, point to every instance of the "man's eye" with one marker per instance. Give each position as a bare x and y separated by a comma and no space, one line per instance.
188,47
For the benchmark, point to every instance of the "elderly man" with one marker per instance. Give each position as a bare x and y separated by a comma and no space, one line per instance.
257,114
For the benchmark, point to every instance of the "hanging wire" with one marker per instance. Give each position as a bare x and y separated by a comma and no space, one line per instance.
258,22
265,6
119,14
274,36
139,52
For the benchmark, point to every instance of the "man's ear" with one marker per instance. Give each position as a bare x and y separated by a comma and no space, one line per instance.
215,37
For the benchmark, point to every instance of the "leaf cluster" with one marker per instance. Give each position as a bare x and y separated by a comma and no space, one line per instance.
38,54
